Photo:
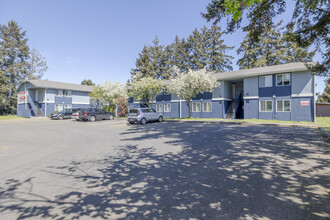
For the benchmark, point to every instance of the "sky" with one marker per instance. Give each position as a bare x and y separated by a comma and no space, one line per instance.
101,39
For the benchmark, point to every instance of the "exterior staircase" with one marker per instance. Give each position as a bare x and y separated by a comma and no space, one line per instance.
39,111
230,111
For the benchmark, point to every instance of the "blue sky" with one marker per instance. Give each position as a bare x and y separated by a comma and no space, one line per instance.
100,40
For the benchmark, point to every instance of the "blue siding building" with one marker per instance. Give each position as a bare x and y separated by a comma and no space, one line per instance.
281,92
41,97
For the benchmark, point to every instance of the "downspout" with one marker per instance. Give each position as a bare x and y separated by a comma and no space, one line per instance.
45,103
180,108
25,101
314,102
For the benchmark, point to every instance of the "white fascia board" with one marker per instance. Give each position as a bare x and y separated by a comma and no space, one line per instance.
47,102
221,99
302,95
81,103
251,97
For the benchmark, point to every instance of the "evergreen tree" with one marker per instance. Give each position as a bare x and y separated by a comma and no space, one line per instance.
144,64
272,48
180,54
14,62
87,82
325,96
216,57
157,59
197,54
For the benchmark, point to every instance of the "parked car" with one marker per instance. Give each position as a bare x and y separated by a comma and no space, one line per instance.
144,115
66,113
93,114
75,114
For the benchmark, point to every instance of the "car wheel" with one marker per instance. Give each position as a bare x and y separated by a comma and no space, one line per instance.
111,117
131,122
143,121
92,118
60,117
160,119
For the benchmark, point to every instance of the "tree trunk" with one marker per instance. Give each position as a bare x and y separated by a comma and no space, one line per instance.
189,110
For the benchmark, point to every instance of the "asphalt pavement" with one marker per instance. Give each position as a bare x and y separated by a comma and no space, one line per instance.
67,169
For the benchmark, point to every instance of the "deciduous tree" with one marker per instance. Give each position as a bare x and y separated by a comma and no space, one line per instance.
191,83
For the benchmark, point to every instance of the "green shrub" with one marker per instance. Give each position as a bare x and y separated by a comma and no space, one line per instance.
109,108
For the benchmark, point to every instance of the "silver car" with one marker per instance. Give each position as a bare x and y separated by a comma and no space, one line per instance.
143,115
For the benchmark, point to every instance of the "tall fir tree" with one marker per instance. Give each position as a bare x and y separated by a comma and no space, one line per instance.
14,62
273,47
196,46
37,64
143,64
216,57
325,96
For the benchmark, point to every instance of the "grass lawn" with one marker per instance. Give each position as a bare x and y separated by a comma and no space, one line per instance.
320,121
10,117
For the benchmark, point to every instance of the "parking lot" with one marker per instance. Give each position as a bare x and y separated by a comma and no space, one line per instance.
111,170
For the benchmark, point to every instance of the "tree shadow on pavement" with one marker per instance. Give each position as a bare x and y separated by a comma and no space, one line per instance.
221,172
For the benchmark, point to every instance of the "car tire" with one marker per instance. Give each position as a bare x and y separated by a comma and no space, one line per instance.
160,119
131,122
111,117
143,121
92,118
60,117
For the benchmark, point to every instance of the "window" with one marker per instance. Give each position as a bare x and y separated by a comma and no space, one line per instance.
167,108
266,106
196,107
159,107
67,106
58,108
283,105
59,92
207,107
283,79
68,93
265,81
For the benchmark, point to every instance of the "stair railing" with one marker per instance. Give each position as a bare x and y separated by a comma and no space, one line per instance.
34,109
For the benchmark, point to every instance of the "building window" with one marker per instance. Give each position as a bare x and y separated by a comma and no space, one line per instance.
59,92
67,106
68,93
167,108
283,79
58,108
159,107
196,107
207,107
265,81
266,106
283,106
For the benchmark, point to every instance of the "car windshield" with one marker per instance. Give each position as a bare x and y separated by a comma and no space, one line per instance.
133,111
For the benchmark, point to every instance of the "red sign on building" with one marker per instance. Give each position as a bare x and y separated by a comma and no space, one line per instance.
22,95
304,103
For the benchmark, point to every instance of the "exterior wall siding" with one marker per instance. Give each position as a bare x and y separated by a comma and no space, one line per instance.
251,108
251,86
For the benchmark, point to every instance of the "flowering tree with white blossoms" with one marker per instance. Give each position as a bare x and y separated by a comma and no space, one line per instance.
146,88
111,91
189,84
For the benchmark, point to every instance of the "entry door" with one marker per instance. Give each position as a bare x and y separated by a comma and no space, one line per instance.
37,95
233,91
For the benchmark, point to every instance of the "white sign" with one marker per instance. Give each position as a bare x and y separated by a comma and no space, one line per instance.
22,96
304,103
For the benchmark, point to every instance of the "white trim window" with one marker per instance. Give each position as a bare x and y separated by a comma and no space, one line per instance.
283,79
196,107
59,92
167,107
283,106
265,106
58,108
207,106
159,107
67,106
68,93
265,81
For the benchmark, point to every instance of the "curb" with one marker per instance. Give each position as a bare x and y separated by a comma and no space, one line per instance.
244,123
325,134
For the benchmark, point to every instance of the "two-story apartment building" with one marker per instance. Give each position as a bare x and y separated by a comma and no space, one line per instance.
282,92
41,97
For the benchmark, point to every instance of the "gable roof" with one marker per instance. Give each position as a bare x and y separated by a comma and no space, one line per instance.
38,83
267,70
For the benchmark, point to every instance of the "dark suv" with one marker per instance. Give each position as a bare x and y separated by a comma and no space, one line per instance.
92,114
66,113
